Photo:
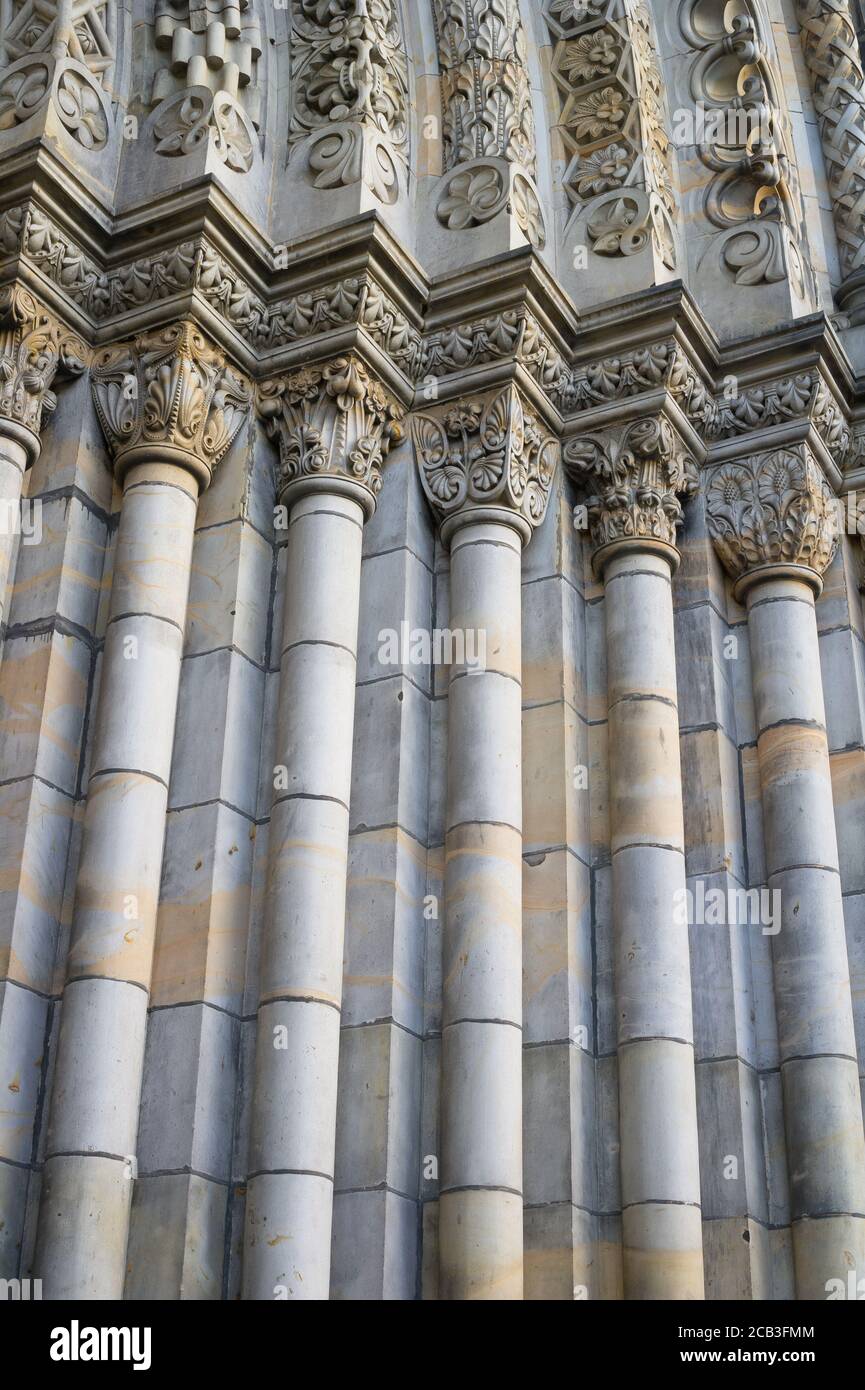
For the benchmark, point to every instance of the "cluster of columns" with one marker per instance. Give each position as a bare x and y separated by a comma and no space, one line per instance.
170,410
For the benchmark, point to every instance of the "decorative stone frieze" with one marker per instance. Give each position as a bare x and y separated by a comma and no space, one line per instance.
52,52
350,93
835,67
489,132
635,478
332,422
491,451
804,397
774,509
209,83
34,348
615,127
169,395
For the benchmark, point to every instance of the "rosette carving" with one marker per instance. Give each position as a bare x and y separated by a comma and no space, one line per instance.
332,420
168,396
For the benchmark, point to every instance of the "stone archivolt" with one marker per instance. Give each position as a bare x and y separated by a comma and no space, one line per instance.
753,194
350,92
57,53
331,421
634,479
489,133
835,67
210,81
34,348
488,451
773,509
168,396
614,124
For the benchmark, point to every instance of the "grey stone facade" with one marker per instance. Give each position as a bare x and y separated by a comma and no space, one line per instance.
432,693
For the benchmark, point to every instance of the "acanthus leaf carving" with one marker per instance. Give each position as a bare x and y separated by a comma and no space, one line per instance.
331,421
489,451
773,509
169,395
34,349
634,479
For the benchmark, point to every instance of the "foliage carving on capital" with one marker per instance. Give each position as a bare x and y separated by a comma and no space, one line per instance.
34,349
634,480
486,452
773,509
332,420
169,395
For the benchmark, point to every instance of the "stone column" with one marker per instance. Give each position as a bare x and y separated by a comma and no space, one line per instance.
334,425
34,348
775,524
834,61
170,411
487,469
640,472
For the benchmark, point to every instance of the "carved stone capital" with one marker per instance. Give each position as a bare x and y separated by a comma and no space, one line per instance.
34,349
773,513
634,477
334,424
483,455
168,397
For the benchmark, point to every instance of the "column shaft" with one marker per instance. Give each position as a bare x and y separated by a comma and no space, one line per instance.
819,1072
481,1216
661,1217
290,1189
13,465
93,1121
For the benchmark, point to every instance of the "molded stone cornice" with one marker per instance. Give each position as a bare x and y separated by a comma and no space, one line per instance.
788,387
34,348
634,477
483,457
653,351
168,397
334,424
773,513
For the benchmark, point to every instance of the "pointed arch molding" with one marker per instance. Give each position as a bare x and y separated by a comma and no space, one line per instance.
350,93
208,83
489,130
835,68
615,126
743,139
